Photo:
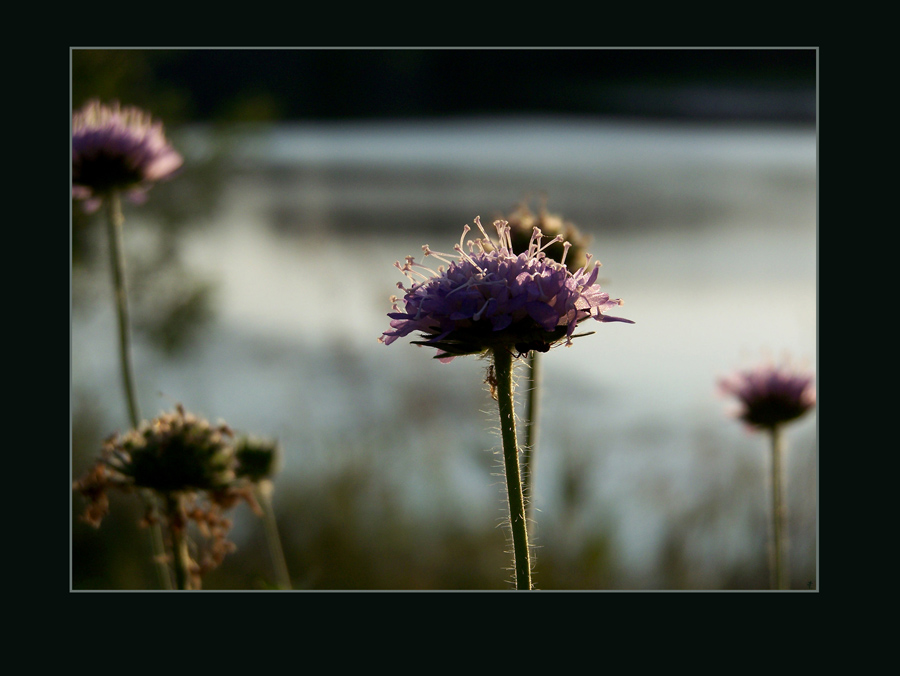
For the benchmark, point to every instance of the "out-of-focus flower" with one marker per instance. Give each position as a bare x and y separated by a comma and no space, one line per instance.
770,394
491,298
117,148
522,223
191,466
175,452
257,459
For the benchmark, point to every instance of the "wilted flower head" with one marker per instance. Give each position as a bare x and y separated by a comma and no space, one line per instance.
175,452
491,298
117,148
522,223
192,465
770,395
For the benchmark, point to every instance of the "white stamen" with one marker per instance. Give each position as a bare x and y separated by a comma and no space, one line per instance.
535,242
566,246
483,231
465,231
558,238
440,256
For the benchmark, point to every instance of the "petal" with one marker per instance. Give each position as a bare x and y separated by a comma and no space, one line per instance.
543,314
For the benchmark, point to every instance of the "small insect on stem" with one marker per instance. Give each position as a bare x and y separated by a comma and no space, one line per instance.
491,380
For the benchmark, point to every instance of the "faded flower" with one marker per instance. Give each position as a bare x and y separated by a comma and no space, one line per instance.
191,466
176,452
491,297
522,223
117,148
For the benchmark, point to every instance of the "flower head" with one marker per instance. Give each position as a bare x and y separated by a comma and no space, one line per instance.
490,298
117,148
257,459
190,463
770,395
174,452
522,223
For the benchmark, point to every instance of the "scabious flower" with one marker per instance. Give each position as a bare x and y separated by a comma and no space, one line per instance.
490,297
770,395
117,148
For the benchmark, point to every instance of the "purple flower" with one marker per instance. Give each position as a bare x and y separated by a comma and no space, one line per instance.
770,395
116,148
490,298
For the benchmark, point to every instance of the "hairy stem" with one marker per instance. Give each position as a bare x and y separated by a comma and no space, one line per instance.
517,518
532,410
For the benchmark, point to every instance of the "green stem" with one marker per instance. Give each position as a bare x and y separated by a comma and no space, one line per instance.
264,495
532,410
115,224
779,509
517,518
178,529
117,259
160,558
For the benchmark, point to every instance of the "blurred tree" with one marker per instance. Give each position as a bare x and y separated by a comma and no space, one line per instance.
131,76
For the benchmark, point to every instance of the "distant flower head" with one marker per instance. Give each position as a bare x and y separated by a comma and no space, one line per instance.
491,298
770,395
257,459
117,148
522,223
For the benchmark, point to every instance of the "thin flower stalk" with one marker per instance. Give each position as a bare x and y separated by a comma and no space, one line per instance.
779,550
258,461
263,491
532,419
115,223
181,556
503,365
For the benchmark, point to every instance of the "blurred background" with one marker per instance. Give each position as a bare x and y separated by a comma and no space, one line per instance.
260,280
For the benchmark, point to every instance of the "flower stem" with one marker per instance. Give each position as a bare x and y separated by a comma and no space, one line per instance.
517,519
178,530
532,410
779,508
264,496
160,558
115,223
